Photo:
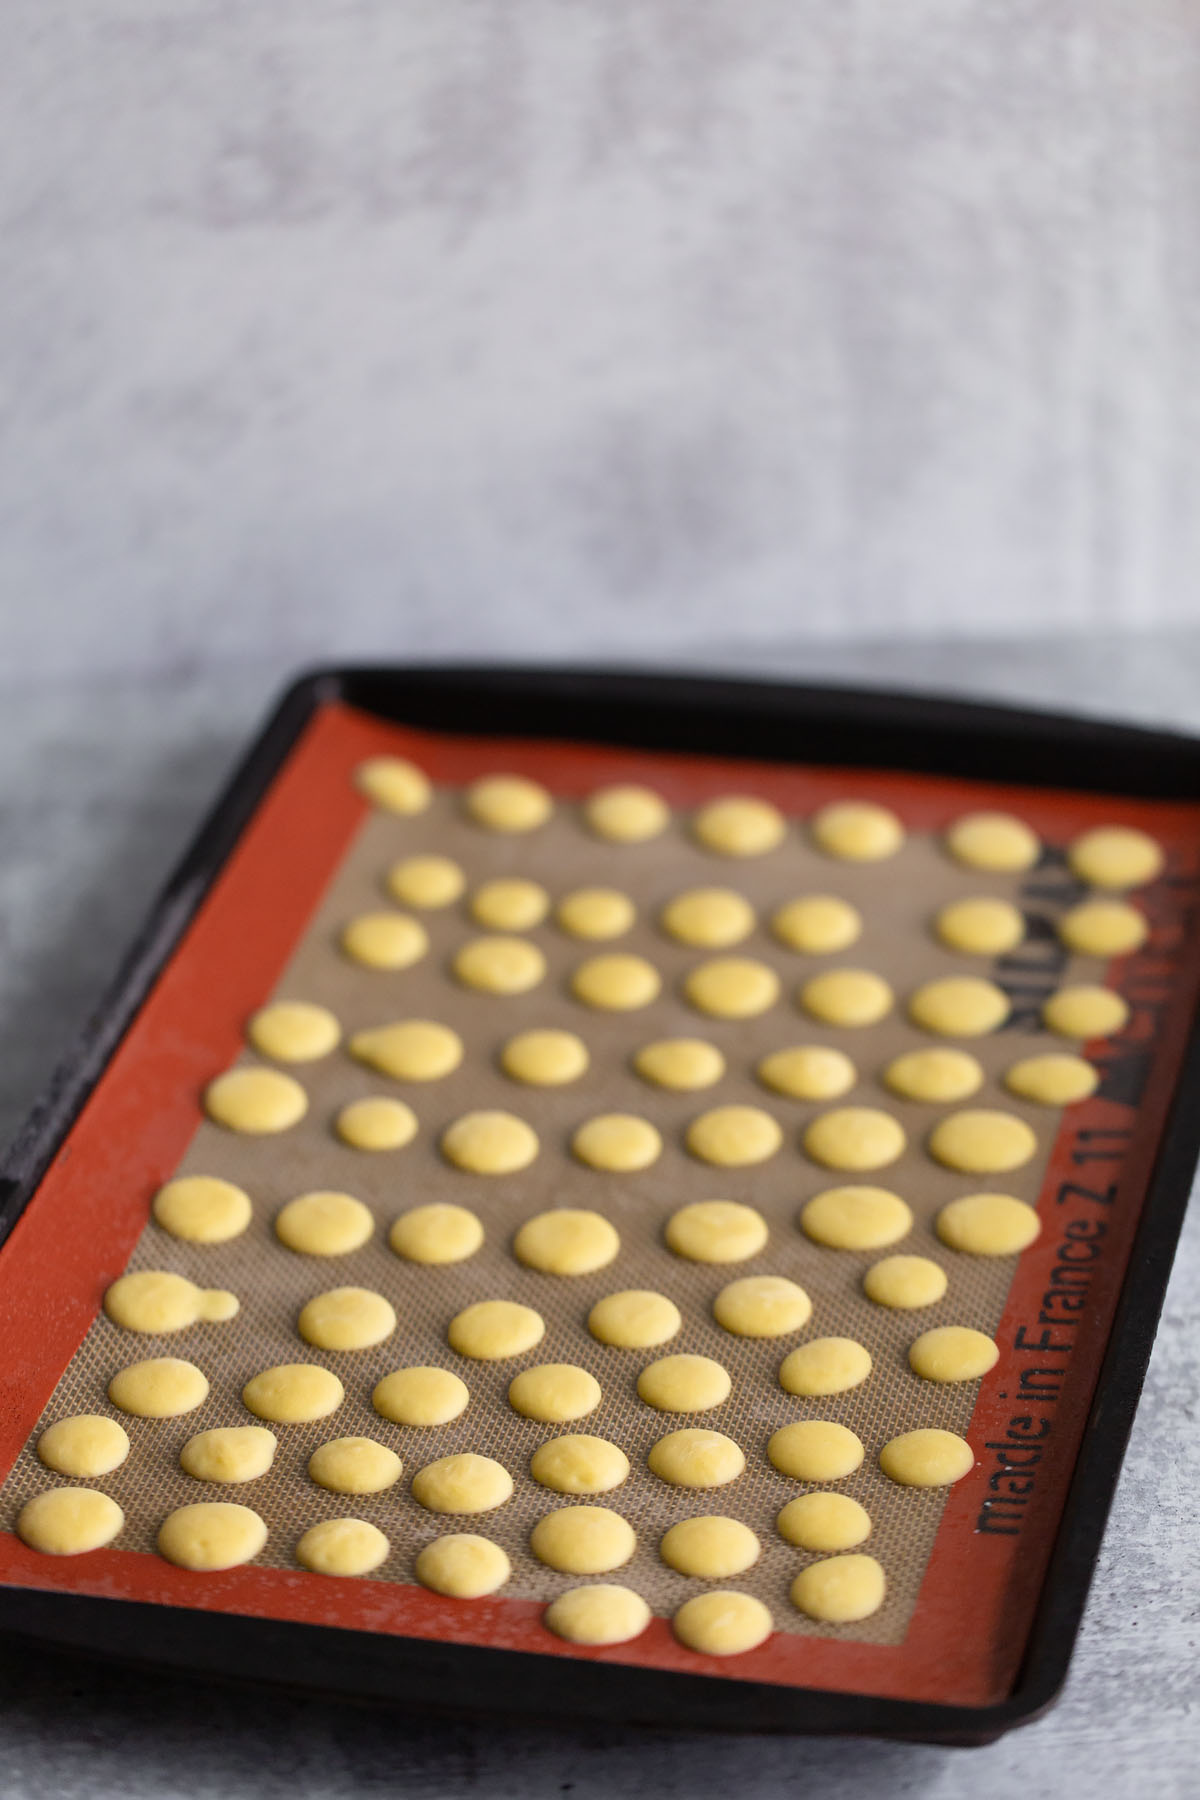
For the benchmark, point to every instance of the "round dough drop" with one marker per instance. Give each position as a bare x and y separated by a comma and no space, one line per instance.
710,1546
420,1396
324,1223
462,1566
856,831
410,1050
732,987
904,1282
489,1143
231,1454
808,1072
856,1218
1085,1011
354,1465
255,1102
554,1393
508,803
509,903
293,1393
426,882
733,1137
926,1459
855,1138
696,1458
634,1319
709,918
342,1547
156,1302
680,1064
981,1142
294,1031
716,1231
997,842
620,1142
739,825
376,1122
86,1445
684,1384
827,1365
815,1450
817,924
69,1521
437,1233
545,1058
465,1483
1103,928
722,1624
988,1225
596,913
616,983
851,997
499,965
840,1590
347,1318
1052,1080
212,1534
394,784
626,813
161,1388
762,1306
569,1241
579,1464
200,1209
583,1540
952,1353
601,1614
825,1522
959,1006
1115,856
385,940
493,1330
942,1075
980,927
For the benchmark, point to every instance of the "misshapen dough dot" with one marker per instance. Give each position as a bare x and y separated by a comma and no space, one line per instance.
856,1218
634,1319
815,1450
508,803
376,1122
904,1282
601,1614
856,831
426,882
626,813
980,927
256,1102
942,1075
294,1031
163,1387
69,1521
554,1393
510,903
385,940
545,1058
394,784
342,1547
722,1624
583,1540
1115,856
850,997
684,1384
997,842
354,1465
734,1136
981,1142
1052,1080
410,1050
156,1302
230,1454
855,1138
827,1365
952,1353
579,1464
988,1225
500,965
567,1241
616,983
1085,1011
347,1318
716,1231
620,1142
808,1072
817,924
696,1458
213,1534
462,1566
709,918
926,1459
324,1223
596,913
436,1233
732,987
824,1522
680,1065
841,1590
762,1306
710,1546
465,1483
493,1330
739,825
293,1393
489,1143
959,1006
420,1396
1103,928
86,1445
202,1210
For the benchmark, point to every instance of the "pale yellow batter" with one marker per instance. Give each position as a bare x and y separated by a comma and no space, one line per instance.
465,1483
762,1306
213,1534
420,1396
1085,1011
722,1624
202,1210
161,1388
855,1138
997,842
342,1547
354,1465
499,965
815,1450
808,1072
293,1393
942,1075
462,1566
567,1241
621,1142
545,1058
508,803
230,1454
634,1319
853,997
347,1318
579,1464
436,1233
294,1031
824,1522
583,1540
324,1223
489,1143
716,1231
509,903
554,1393
739,825
376,1122
732,987
709,918
926,1459
1052,1080
680,1065
86,1445
710,1546
410,1050
904,1282
385,940
980,927
1115,856
394,784
601,1614
981,1142
825,1365
1103,928
696,1458
493,1330
959,1006
988,1225
952,1353
733,1137
684,1384
156,1302
427,882
841,1590
617,982
257,1102
817,924
69,1521
856,831
626,813
596,913
856,1218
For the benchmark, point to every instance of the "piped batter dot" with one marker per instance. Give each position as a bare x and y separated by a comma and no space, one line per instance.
856,1218
817,924
509,903
926,1458
856,831
722,1623
981,1142
294,1031
554,1393
1085,1011
256,1102
716,1231
825,1522
732,987
69,1521
617,982
634,1319
710,1546
980,927
489,1143
696,1458
996,842
508,803
988,1225
601,1614
426,882
324,1223
815,1450
213,1534
499,965
354,1465
709,918
342,1547
545,1058
959,1006
850,997
462,1566
936,1075
684,1384
420,1396
409,1050
583,1540
620,1142
734,1136
626,813
293,1393
596,913
163,1387
952,1353
201,1209
904,1282
1052,1080
347,1318
808,1072
229,1454
493,1330
566,1241
841,1590
1115,856
739,825
393,784
762,1306
466,1483
855,1138
437,1233
85,1446
385,940
826,1365
377,1122
156,1302
1103,928
579,1464
680,1065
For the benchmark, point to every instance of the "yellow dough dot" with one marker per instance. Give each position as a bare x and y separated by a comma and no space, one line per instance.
156,1302
578,1464
596,912
86,1445
824,1522
465,1483
988,1225
489,1143
716,1231
732,987
680,1064
601,1614
734,1136
626,814
437,1233
545,1058
161,1388
815,1450
376,1123
568,1241
959,1006
808,1072
618,1141
508,803
994,841
852,997
817,924
583,1540
324,1223
347,1318
857,831
904,1282
385,940
230,1454
722,1624
213,1534
710,1546
1085,1012
980,927
202,1210
463,1566
427,882
293,1031
1115,856
510,903
762,1306
856,1218
616,983
411,1050
856,1138
684,1384
293,1393
980,1142
69,1521
708,918
492,1330
354,1465
934,1075
952,1353
827,1365
256,1102
1052,1080
420,1396
696,1458
634,1319
841,1590
342,1547
739,826
554,1393
1103,928
394,784
926,1459
500,965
